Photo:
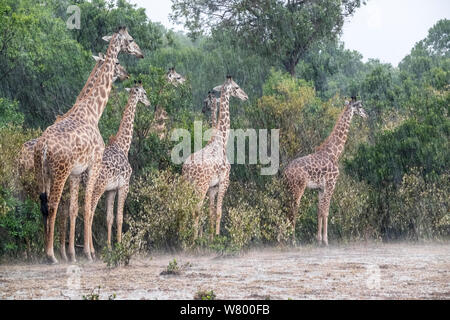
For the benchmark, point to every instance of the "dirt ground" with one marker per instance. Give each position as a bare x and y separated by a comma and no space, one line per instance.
355,271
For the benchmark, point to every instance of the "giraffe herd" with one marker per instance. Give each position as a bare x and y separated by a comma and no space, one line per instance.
73,147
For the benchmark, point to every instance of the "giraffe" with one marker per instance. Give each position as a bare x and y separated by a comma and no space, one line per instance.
115,172
159,122
174,78
26,161
73,145
26,155
211,104
160,115
320,170
209,167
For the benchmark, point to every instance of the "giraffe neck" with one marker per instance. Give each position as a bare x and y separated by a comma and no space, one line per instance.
93,77
214,113
85,91
125,133
93,105
334,144
223,122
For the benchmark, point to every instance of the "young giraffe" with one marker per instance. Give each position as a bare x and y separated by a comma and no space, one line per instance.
320,170
209,167
115,172
26,156
74,145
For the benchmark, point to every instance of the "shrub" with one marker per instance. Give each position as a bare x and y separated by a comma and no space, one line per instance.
421,208
205,295
21,231
120,254
161,205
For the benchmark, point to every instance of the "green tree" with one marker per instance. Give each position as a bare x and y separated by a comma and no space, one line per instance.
285,29
40,65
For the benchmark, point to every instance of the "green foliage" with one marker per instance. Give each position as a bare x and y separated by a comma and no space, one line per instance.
40,65
276,28
94,295
21,228
417,143
161,205
20,218
11,140
205,295
120,254
174,268
9,113
101,18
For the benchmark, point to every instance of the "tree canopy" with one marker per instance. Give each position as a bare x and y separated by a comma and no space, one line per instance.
279,28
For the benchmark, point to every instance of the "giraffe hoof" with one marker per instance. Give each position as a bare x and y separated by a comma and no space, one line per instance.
52,260
88,256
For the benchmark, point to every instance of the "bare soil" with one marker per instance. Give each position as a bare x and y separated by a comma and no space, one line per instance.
354,271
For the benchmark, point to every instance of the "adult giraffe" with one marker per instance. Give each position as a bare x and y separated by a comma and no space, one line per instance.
320,170
209,167
26,156
74,145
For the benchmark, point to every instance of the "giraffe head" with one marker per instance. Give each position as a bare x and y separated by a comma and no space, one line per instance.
119,71
175,78
139,93
208,103
232,89
160,114
126,42
357,108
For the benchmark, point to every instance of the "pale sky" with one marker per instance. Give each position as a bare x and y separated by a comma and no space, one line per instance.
382,29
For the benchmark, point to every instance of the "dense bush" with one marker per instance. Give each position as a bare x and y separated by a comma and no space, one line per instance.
161,205
20,218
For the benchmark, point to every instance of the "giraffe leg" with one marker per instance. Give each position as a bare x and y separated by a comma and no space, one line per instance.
92,177
212,192
223,186
201,194
122,195
319,229
62,230
110,196
54,199
197,218
74,186
325,230
324,207
296,194
99,189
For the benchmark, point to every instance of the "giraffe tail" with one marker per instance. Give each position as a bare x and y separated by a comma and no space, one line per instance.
43,196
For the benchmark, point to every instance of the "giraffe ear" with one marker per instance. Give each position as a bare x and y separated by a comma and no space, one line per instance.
127,89
218,89
97,58
107,38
